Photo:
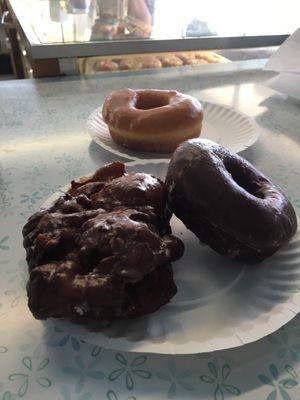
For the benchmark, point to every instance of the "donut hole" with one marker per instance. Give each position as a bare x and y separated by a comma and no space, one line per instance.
244,178
147,101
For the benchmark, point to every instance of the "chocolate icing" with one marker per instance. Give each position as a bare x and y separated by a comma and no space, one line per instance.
103,250
228,203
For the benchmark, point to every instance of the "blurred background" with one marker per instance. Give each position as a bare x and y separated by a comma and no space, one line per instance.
32,29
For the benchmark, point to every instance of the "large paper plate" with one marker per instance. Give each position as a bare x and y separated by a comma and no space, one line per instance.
222,124
220,304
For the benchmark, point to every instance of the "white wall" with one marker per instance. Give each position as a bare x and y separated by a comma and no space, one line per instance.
228,17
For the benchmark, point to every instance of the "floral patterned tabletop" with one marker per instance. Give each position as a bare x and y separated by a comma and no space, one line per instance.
43,144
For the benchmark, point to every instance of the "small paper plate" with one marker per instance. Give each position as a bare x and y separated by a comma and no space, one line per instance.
220,304
221,124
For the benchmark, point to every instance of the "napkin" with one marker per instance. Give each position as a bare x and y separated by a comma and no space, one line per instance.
286,83
286,61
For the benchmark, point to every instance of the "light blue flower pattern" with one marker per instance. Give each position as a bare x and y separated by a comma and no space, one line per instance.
219,379
130,370
111,395
71,166
176,379
279,386
35,344
64,339
17,273
284,347
16,295
96,351
67,394
4,243
31,373
3,349
6,199
6,394
82,370
31,198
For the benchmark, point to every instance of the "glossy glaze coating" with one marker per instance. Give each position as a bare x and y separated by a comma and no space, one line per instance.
152,120
102,252
227,202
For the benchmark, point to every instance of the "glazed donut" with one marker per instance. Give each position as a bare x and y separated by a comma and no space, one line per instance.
188,58
200,61
106,65
209,57
227,203
152,120
150,62
131,63
171,61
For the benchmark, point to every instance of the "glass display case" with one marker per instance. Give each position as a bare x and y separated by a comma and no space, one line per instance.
55,33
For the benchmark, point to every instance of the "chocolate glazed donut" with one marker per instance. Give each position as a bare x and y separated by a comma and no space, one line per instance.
228,203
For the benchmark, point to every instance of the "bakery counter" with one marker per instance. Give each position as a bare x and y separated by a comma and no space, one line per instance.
51,38
43,145
137,62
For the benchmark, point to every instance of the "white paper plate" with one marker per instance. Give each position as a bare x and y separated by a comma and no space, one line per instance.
222,124
220,304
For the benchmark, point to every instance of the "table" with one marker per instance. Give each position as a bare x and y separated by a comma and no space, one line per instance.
43,144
